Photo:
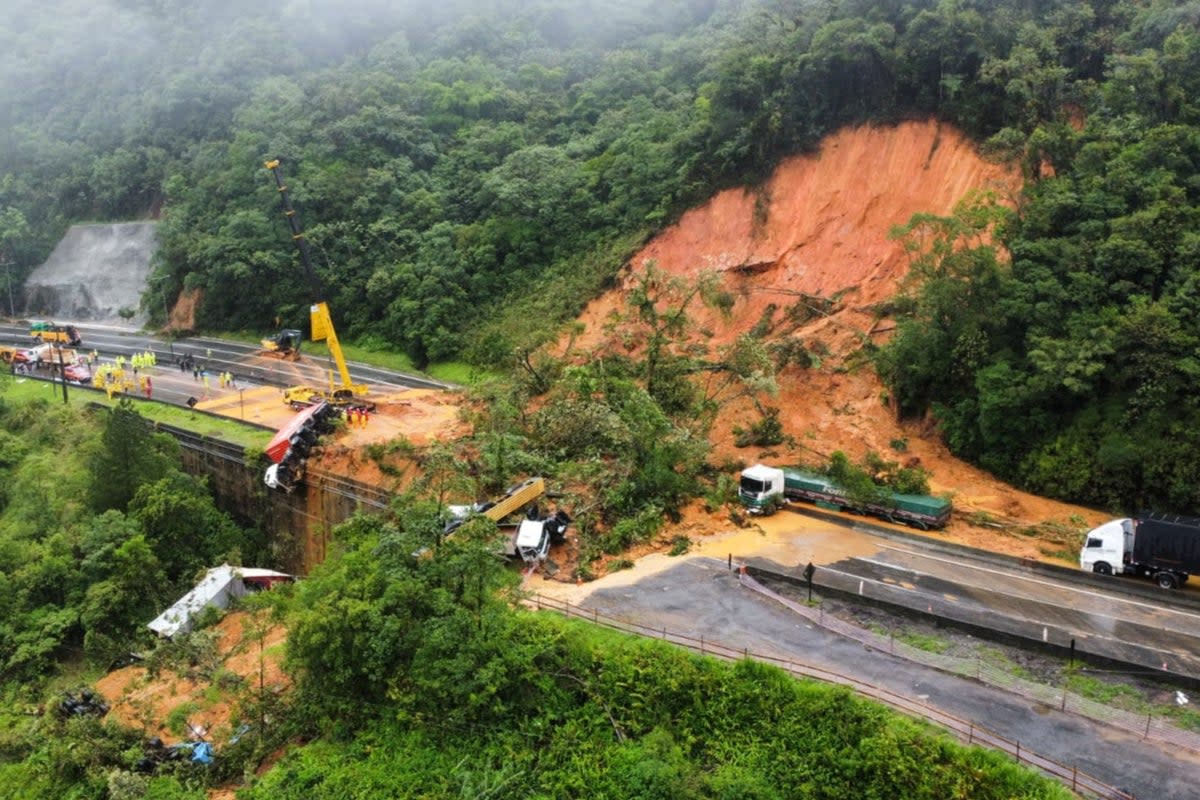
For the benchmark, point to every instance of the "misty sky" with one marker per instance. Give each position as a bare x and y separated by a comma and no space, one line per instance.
72,50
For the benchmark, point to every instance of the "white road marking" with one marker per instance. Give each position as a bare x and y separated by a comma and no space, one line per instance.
1004,573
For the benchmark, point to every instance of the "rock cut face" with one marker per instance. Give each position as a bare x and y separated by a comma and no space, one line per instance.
93,273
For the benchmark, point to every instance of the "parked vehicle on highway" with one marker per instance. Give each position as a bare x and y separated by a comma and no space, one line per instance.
46,355
78,373
1162,547
33,355
762,489
49,332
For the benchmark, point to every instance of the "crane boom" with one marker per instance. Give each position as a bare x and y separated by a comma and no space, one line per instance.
294,223
319,317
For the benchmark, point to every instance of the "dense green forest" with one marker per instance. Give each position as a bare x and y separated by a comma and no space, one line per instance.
100,529
415,677
470,173
94,545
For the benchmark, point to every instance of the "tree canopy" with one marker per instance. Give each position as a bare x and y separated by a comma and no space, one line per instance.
97,545
470,175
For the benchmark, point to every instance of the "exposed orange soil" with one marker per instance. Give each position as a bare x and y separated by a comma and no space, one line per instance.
145,702
420,415
819,229
182,316
816,232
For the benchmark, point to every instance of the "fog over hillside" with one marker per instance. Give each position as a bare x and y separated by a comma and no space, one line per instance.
103,103
63,62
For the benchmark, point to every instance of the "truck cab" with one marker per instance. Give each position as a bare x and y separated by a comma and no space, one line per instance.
761,488
533,541
1107,547
39,353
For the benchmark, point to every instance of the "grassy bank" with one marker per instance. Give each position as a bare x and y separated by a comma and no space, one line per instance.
24,389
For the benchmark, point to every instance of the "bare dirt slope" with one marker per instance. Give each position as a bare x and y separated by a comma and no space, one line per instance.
180,704
808,260
818,231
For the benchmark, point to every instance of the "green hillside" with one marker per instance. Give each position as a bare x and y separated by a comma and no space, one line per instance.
470,174
414,677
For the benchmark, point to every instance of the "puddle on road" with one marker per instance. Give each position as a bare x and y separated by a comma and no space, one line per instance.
790,539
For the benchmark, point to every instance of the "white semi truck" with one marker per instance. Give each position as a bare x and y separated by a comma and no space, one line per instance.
1162,547
532,537
762,489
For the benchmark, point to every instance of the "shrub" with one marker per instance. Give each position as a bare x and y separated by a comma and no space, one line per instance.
766,432
631,530
723,492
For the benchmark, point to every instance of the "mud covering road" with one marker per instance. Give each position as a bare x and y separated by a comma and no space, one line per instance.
699,597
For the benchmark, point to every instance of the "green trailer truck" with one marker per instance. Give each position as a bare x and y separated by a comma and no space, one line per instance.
762,489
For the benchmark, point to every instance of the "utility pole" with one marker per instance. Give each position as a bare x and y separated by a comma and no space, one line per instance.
62,372
7,264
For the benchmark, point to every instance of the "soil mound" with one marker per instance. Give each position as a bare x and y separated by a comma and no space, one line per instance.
807,258
200,697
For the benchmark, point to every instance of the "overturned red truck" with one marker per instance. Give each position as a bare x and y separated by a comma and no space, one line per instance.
290,447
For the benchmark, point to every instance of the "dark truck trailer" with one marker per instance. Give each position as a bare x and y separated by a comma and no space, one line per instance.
1167,542
1163,547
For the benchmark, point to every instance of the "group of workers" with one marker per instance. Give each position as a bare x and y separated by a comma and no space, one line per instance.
358,416
113,378
138,361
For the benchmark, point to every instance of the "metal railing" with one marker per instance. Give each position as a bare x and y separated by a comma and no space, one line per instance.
965,730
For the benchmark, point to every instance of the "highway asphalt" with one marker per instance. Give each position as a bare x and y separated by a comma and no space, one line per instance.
241,358
701,598
1110,618
1039,609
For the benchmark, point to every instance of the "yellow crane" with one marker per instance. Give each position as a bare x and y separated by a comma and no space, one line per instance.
339,394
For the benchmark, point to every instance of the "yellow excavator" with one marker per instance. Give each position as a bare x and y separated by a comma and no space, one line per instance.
285,345
346,392
531,537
